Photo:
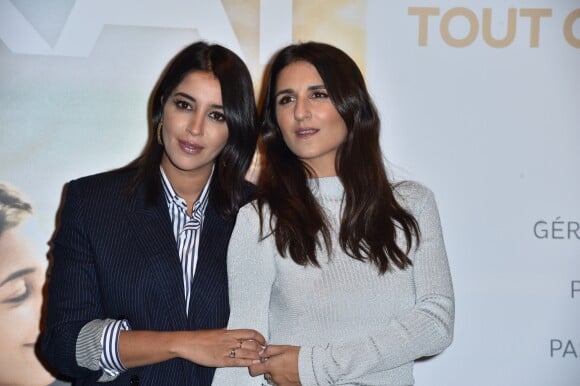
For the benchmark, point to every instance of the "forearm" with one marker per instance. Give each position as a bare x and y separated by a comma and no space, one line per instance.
209,348
141,348
425,330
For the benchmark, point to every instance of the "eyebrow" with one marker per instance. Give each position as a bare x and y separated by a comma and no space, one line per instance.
17,274
187,96
290,91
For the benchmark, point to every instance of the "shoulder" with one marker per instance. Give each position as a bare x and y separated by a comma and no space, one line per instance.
105,180
250,217
100,188
413,195
249,211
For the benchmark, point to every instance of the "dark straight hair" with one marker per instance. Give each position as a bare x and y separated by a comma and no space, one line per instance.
371,214
228,186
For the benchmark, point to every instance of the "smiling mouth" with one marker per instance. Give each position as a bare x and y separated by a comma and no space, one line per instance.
306,132
191,148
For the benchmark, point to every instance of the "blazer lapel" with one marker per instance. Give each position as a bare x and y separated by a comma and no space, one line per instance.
153,230
210,280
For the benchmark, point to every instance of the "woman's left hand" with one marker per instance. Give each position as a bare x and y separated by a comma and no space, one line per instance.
279,364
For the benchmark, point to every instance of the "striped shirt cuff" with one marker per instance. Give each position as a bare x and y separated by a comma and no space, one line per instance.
90,347
110,361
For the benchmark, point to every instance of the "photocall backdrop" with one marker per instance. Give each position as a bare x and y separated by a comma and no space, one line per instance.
478,100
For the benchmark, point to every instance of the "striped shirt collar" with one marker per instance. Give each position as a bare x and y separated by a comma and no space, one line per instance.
171,195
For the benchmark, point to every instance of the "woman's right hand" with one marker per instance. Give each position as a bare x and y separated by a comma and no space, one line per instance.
220,348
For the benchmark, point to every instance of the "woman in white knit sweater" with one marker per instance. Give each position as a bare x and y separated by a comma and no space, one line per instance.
343,271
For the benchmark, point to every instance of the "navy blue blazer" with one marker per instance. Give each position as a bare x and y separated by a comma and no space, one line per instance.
116,257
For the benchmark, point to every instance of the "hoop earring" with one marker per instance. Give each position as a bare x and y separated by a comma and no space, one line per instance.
159,138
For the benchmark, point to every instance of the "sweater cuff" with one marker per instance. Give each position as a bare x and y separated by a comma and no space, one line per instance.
306,367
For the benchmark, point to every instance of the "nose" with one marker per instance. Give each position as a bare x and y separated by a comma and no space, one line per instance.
195,127
301,109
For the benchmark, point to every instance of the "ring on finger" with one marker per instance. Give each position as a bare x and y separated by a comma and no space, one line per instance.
232,353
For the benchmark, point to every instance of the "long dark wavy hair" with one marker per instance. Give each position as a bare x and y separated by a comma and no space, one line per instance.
371,215
228,186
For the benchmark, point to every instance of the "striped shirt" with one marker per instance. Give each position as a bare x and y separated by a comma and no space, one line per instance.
187,231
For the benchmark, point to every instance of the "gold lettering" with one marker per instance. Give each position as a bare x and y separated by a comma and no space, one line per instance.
473,27
535,14
568,24
510,30
423,13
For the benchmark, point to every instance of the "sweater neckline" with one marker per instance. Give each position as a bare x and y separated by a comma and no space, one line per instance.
326,188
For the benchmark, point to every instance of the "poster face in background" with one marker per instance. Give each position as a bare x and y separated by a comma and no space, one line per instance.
479,102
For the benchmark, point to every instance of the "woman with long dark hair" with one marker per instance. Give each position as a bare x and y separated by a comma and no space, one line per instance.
350,279
138,287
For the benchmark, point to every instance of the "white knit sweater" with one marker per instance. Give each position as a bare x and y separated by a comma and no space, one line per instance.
354,326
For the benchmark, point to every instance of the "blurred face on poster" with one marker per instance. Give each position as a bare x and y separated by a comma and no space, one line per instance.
22,275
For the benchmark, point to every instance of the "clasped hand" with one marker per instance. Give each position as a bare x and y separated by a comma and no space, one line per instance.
278,364
224,348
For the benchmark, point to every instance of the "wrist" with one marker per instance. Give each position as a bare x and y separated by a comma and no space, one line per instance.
175,343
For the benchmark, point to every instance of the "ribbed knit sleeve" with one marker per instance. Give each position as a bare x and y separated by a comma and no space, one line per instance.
251,273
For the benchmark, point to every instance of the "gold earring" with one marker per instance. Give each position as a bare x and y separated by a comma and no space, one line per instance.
159,127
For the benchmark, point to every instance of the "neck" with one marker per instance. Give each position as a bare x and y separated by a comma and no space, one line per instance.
322,168
188,185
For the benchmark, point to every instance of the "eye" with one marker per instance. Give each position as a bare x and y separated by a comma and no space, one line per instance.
182,104
285,99
319,94
217,116
19,294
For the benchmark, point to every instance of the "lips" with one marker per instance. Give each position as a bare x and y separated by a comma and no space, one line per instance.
190,147
305,132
